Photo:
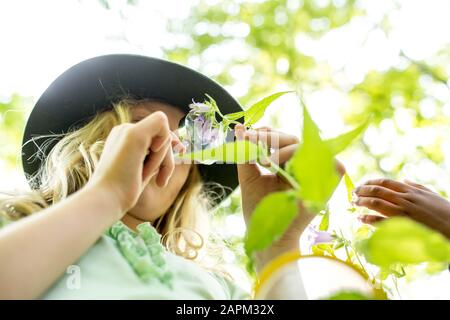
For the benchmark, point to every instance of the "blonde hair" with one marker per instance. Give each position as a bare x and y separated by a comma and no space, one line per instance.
72,161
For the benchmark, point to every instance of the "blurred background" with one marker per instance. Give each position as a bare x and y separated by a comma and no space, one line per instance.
350,59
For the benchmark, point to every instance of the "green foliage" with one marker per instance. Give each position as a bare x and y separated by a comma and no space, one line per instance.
376,93
235,115
12,123
340,143
106,3
311,172
323,249
281,31
232,152
312,165
277,31
270,219
256,111
325,221
349,186
348,295
402,240
269,31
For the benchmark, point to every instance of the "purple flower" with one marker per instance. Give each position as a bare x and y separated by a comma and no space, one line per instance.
205,135
200,107
318,237
201,129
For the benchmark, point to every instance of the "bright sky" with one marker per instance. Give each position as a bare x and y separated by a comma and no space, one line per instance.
41,39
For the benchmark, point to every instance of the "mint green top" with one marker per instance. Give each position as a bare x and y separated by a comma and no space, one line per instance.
124,264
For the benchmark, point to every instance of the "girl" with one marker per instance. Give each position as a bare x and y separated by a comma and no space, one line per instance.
106,189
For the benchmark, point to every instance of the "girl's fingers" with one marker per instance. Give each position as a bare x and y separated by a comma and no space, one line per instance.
282,155
270,138
380,205
159,142
177,145
371,219
419,186
154,161
375,191
149,177
388,183
166,169
264,128
154,130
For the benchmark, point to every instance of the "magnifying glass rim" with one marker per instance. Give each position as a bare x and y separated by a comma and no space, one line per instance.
291,256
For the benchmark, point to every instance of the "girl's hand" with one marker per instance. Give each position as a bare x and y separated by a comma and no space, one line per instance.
133,154
255,186
392,198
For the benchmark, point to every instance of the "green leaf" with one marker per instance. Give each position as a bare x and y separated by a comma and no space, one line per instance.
242,151
436,267
383,274
341,142
363,232
212,104
235,115
348,295
397,270
270,219
402,240
338,244
323,249
104,4
317,251
325,222
256,111
313,167
349,186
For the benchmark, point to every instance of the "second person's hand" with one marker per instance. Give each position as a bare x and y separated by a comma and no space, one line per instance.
393,198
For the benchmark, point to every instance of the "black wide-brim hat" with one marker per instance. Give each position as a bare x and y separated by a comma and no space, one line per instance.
92,86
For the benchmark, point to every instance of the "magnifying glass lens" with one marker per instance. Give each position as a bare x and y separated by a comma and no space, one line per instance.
314,277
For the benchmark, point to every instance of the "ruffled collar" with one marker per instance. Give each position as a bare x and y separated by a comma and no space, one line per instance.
143,251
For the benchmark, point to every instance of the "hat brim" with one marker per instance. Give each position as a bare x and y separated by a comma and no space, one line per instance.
93,85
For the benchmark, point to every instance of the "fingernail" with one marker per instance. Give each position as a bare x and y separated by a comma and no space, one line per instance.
178,146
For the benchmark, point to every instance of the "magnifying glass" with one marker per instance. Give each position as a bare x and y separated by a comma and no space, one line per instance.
197,132
293,276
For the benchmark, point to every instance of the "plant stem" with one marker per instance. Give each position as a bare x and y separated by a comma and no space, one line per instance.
274,168
233,121
394,280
